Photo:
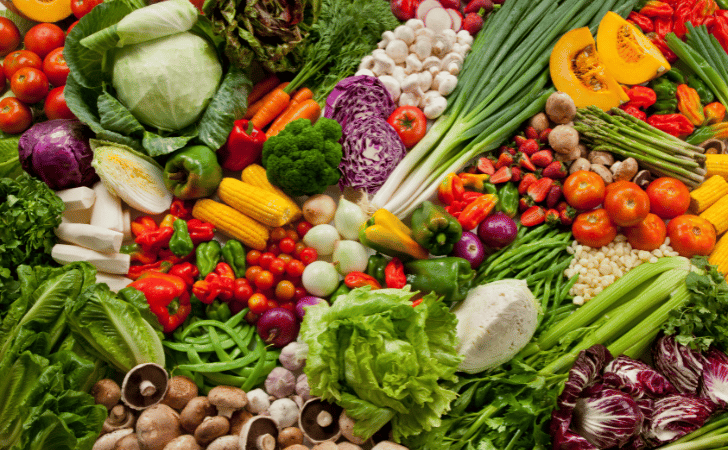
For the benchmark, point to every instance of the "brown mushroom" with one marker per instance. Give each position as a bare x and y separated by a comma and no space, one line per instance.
184,442
227,399
297,447
319,420
211,428
156,426
326,445
642,179
195,412
260,433
539,122
106,392
388,445
560,107
144,385
579,164
128,442
120,416
624,170
238,419
574,154
599,157
229,442
563,138
346,424
712,146
603,172
108,441
180,391
290,436
346,445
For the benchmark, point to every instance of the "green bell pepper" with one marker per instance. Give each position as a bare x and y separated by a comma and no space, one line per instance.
508,199
234,254
192,172
675,75
375,267
342,289
181,243
207,255
435,229
666,91
449,277
704,92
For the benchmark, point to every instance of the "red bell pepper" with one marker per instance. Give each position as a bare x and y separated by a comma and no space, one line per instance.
218,284
161,266
187,271
200,231
641,21
167,297
142,225
243,147
354,280
394,276
477,210
181,208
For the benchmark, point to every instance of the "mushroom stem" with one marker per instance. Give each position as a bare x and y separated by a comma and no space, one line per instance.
147,388
266,442
324,418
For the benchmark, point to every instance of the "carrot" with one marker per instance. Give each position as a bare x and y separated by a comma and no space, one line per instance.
252,109
263,87
276,102
302,94
297,97
307,109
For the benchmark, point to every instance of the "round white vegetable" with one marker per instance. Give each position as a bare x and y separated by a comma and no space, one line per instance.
348,218
319,209
320,278
349,256
322,238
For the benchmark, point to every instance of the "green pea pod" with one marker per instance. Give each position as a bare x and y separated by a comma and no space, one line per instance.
181,243
375,267
233,253
207,255
449,277
508,199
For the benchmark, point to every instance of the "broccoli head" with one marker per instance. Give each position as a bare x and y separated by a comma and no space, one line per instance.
303,159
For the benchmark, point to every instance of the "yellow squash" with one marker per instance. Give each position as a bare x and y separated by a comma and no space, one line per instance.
576,69
627,53
44,10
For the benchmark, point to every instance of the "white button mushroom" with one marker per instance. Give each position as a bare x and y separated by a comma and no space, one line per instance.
397,50
435,108
462,49
425,80
405,33
424,32
441,45
447,83
364,72
452,63
464,37
422,48
367,62
392,86
409,99
432,64
399,74
383,64
412,64
450,35
428,96
387,37
415,24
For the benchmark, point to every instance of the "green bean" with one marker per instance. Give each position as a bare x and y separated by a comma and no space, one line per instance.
259,366
215,341
236,337
225,379
560,267
565,290
225,365
546,292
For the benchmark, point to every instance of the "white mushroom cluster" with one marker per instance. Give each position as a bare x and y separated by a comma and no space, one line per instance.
418,66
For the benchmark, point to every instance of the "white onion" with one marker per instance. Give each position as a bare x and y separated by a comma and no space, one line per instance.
322,238
320,278
348,218
349,256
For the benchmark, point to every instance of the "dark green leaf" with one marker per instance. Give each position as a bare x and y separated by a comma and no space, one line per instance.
228,105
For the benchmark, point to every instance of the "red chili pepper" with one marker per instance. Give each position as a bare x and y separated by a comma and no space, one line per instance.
633,110
394,276
680,19
181,208
354,280
218,284
534,215
469,196
674,124
661,44
155,240
187,271
451,189
719,30
641,96
702,10
477,210
243,147
143,225
641,21
139,270
663,25
200,231
656,8
167,297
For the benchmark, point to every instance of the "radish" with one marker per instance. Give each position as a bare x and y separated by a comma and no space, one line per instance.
425,7
457,19
438,20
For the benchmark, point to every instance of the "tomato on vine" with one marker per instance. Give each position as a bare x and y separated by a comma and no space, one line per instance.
410,124
9,36
15,116
55,106
43,38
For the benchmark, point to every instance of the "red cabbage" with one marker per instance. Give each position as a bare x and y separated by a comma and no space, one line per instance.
371,150
679,363
58,152
636,378
675,416
607,419
714,382
355,98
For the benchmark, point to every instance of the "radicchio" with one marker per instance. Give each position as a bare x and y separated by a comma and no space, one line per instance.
679,363
636,378
714,382
675,416
357,97
607,419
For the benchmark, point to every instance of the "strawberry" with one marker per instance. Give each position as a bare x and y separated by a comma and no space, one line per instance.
519,140
554,195
567,215
534,215
527,180
473,23
485,165
531,132
542,158
506,149
451,4
475,6
504,160
540,189
515,174
556,170
544,135
525,162
524,204
501,175
529,147
552,217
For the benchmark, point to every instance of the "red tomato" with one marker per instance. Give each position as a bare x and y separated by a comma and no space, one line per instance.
593,228
15,116
43,38
55,67
669,197
627,204
264,280
19,59
691,235
55,106
9,36
30,85
80,8
647,235
70,27
584,190
257,303
285,290
410,124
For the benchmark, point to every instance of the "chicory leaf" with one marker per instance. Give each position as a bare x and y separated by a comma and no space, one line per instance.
675,416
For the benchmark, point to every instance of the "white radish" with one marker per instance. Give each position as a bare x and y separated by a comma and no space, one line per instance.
107,211
90,236
114,282
81,197
438,20
117,263
457,19
425,7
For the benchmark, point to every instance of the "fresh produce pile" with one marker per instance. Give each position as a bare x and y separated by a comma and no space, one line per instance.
364,224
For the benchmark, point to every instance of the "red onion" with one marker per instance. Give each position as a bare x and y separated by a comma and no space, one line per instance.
497,230
470,248
278,326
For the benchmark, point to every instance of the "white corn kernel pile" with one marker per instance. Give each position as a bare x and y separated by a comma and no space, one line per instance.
600,267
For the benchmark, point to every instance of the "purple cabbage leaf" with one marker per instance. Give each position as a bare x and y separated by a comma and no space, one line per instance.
636,378
680,364
610,418
675,416
714,381
355,98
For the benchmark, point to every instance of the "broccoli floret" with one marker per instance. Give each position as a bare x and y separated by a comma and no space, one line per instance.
304,159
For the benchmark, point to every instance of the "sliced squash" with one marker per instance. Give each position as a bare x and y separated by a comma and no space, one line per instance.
627,53
577,70
44,10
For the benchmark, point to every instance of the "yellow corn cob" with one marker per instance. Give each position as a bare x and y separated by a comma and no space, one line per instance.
264,206
719,256
712,190
716,164
232,222
717,214
255,175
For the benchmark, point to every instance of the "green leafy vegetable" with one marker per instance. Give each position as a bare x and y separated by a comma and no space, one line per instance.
382,359
9,162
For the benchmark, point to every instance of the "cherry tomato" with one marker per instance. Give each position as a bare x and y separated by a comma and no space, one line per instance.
9,36
300,293
593,228
410,124
15,116
669,197
273,248
277,267
265,260
584,190
298,249
302,228
55,106
55,67
647,235
627,204
292,234
308,255
43,38
691,235
278,233
264,280
285,257
257,303
29,85
253,257
80,8
287,245
70,27
251,273
285,290
19,59
242,290
295,268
